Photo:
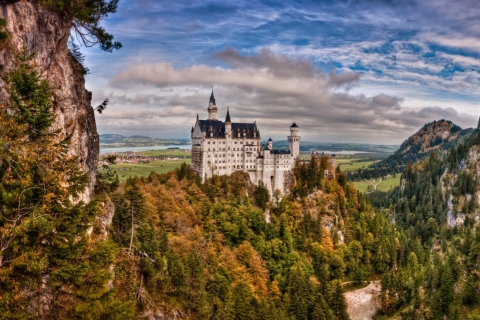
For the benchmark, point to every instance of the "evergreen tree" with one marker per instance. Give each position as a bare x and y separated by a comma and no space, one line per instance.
300,293
337,301
44,239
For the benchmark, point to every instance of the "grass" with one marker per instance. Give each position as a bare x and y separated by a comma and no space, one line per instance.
144,169
385,185
348,165
163,153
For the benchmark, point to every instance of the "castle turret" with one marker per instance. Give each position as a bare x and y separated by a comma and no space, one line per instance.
270,144
212,108
294,141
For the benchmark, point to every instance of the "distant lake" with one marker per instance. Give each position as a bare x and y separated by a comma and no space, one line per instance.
188,146
138,149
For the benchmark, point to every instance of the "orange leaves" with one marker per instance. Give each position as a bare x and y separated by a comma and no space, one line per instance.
246,265
327,241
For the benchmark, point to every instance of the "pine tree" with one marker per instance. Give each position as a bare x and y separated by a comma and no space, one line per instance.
195,282
44,241
337,301
300,292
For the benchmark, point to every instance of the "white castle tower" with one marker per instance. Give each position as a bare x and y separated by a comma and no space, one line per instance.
212,108
294,141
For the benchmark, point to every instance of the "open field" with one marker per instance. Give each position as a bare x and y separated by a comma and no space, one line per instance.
168,152
385,185
144,169
348,165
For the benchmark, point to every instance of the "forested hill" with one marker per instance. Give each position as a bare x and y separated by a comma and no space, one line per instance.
434,136
437,208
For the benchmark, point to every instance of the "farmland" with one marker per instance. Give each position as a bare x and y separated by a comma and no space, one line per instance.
162,161
126,170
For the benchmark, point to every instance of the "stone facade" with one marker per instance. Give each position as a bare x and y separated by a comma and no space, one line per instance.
221,148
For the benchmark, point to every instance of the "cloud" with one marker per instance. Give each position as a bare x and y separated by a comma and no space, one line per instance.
278,64
462,60
273,90
346,70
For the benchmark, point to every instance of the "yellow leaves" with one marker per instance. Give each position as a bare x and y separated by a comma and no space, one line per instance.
327,240
246,265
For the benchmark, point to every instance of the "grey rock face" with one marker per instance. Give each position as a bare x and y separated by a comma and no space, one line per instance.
32,27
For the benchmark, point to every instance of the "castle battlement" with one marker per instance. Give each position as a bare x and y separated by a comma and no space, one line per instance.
221,148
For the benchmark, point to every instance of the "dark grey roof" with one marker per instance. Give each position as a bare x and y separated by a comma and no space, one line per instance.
270,139
294,125
280,151
248,128
217,127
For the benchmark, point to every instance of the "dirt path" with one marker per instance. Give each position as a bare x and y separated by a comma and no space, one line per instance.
363,303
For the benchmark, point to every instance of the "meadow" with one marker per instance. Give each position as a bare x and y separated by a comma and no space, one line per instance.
384,185
126,170
166,153
353,164
144,169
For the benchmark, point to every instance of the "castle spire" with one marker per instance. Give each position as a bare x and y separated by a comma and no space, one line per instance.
212,98
227,119
212,108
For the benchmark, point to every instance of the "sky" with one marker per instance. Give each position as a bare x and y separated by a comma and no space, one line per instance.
344,71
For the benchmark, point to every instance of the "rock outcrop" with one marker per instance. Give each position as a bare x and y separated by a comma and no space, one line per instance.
45,33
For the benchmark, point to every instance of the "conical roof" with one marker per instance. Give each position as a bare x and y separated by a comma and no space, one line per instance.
212,99
227,119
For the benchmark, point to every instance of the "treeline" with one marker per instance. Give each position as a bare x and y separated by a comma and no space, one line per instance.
373,172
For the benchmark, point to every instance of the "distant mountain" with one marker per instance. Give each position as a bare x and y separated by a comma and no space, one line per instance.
117,140
434,136
336,147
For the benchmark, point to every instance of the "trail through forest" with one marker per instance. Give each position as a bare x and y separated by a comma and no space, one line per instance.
363,303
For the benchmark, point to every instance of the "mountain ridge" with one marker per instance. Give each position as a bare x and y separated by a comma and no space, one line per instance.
438,135
118,140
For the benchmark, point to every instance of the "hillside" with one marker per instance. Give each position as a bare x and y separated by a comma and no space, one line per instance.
437,208
434,136
117,140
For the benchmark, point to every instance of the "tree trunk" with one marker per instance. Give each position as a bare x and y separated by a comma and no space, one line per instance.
131,233
40,297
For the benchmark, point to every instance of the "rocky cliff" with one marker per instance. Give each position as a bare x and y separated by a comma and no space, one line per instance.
37,30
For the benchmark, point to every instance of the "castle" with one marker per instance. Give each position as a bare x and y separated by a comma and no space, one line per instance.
221,148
